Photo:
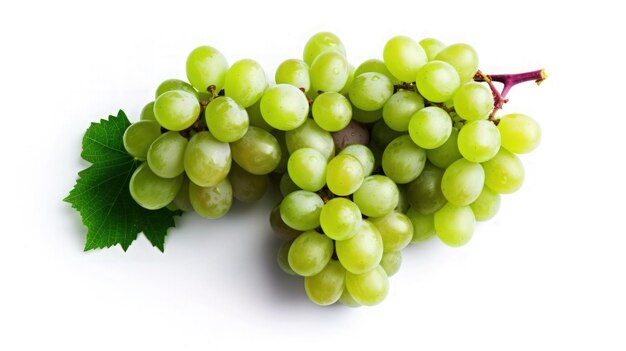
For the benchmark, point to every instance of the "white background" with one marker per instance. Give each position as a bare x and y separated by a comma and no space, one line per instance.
548,273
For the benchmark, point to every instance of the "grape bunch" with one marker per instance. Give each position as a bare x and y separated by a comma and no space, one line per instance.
367,160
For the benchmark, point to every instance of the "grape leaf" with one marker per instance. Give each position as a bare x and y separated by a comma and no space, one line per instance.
101,194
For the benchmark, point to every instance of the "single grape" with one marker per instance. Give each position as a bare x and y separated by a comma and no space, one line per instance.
181,200
403,161
462,182
447,153
256,118
294,72
383,135
245,82
139,136
430,127
329,72
454,224
287,185
431,47
520,133
283,258
206,66
424,193
326,287
340,218
307,169
391,262
377,196
310,135
404,57
258,152
363,154
423,225
166,155
375,65
370,91
479,141
176,110
301,210
247,187
147,112
332,111
284,107
504,173
399,109
437,81
175,84
353,134
395,229
151,191
462,57
319,43
226,119
368,288
366,116
344,174
207,161
486,205
310,253
212,201
473,101
347,300
363,251
280,228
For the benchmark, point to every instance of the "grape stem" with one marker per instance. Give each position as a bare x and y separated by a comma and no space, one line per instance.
509,81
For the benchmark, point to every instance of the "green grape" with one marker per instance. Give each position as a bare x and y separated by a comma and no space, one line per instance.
340,218
175,84
207,161
383,135
294,72
479,141
424,193
368,288
375,65
369,91
182,198
366,116
486,205
211,201
166,155
462,182
176,110
329,72
247,187
437,81
396,230
287,185
377,196
280,228
326,287
258,152
363,154
399,109
432,47
301,210
284,107
363,251
256,118
391,262
346,87
139,136
206,66
403,202
332,111
226,119
151,191
283,258
504,173
430,127
319,43
403,161
520,133
462,57
310,253
404,57
447,153
344,174
307,169
473,101
309,134
454,224
284,152
147,113
245,82
347,300
423,225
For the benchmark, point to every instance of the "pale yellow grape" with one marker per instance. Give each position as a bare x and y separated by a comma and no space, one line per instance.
403,57
245,82
151,191
322,42
462,182
395,229
486,205
369,288
431,47
326,287
504,173
294,72
520,133
206,66
362,252
344,174
454,224
462,57
329,72
213,201
391,262
310,253
207,160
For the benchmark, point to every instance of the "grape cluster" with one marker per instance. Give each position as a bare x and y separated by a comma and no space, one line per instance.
368,160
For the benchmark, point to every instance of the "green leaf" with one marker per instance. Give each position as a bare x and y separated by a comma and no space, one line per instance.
101,194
